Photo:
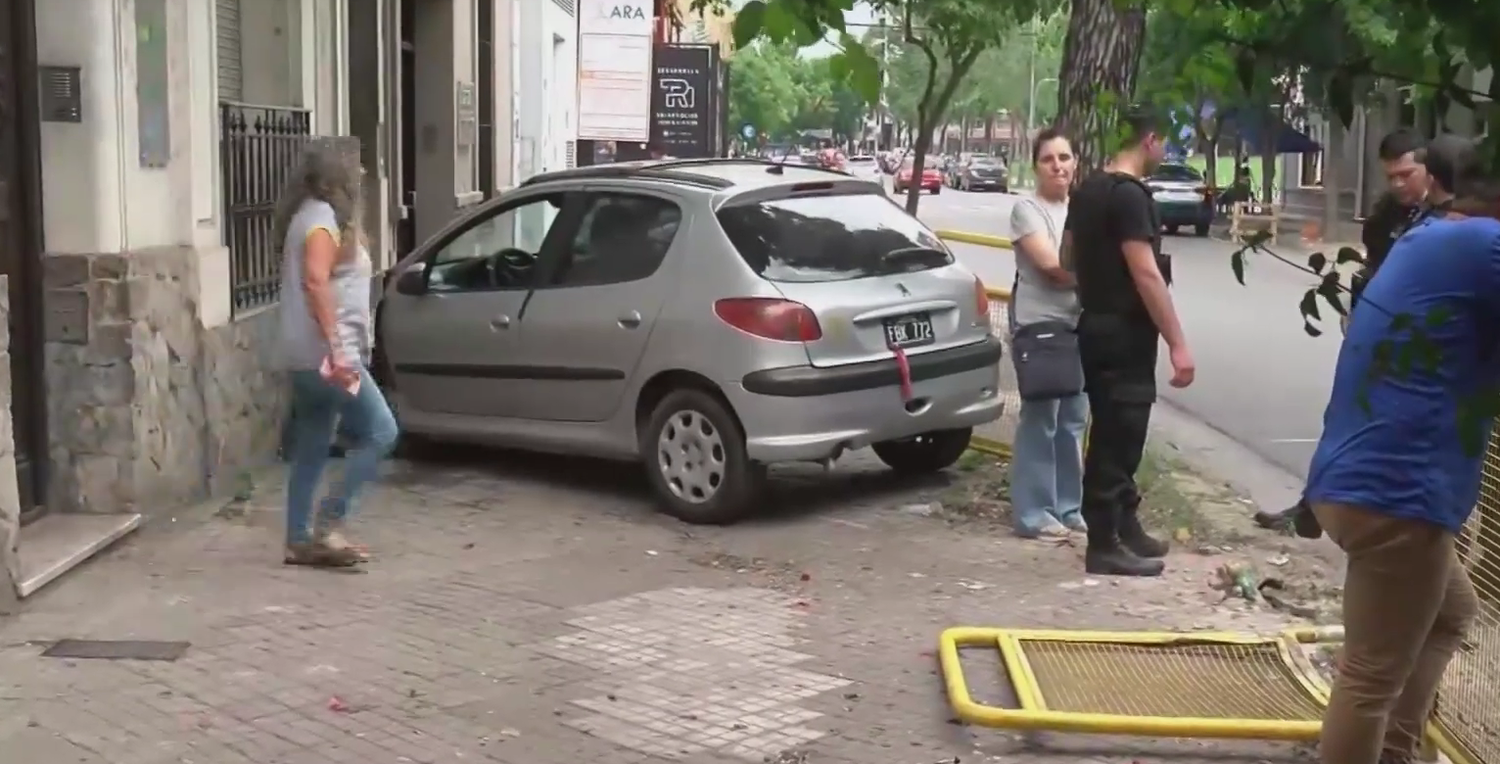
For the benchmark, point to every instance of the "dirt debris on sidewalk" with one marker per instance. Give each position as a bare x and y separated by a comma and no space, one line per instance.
514,615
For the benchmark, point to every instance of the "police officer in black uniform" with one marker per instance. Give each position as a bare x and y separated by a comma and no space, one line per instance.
1422,180
1112,240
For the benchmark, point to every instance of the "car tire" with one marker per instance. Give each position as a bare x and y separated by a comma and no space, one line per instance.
1201,230
1172,230
928,452
722,442
1004,189
937,190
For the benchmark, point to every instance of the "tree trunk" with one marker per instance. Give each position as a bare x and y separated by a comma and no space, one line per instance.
1101,54
963,135
989,134
1268,155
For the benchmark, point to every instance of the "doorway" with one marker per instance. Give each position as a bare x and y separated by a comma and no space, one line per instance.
406,225
21,246
366,93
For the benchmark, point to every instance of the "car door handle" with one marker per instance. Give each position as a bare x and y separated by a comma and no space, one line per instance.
630,320
500,322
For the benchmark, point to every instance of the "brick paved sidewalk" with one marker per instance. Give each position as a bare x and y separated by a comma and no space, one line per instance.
515,616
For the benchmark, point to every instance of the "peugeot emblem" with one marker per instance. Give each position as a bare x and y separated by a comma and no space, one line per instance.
904,291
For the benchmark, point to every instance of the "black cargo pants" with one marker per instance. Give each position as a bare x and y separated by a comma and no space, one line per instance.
1119,371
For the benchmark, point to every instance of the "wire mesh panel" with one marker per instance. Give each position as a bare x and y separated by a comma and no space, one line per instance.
998,435
1192,680
1468,708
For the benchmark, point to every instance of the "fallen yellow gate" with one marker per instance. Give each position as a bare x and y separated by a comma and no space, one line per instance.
1154,684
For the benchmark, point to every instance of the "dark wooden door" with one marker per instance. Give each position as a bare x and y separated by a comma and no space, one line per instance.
20,244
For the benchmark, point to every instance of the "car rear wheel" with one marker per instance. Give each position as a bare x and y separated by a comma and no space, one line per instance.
937,190
1201,229
695,458
928,452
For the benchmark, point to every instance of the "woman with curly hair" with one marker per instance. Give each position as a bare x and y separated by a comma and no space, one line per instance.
326,337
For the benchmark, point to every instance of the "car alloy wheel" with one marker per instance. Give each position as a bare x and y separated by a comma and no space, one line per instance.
690,454
695,457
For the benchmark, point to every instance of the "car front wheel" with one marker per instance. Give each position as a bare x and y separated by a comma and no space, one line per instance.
928,452
695,457
1201,230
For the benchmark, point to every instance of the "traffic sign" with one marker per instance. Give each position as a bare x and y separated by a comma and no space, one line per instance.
748,131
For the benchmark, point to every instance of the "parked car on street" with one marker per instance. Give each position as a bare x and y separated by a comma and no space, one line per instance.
865,167
931,180
1182,197
983,173
705,317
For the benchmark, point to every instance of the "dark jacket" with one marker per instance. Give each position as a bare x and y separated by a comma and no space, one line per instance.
1384,225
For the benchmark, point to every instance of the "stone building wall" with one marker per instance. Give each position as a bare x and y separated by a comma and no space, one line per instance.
10,495
147,408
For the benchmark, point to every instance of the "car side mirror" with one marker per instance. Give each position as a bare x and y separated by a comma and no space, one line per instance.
412,282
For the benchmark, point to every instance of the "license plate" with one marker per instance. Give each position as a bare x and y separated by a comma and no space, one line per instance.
909,331
1178,197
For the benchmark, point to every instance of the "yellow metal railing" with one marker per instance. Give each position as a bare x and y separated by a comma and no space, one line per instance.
1467,726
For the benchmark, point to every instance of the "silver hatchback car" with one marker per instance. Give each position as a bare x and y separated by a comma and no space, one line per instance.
707,317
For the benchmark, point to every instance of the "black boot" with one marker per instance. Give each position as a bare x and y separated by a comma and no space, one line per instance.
1140,543
1297,518
1116,560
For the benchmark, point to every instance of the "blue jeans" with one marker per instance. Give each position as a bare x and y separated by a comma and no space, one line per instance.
1046,469
317,408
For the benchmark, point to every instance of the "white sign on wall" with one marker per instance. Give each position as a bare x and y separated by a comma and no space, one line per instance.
615,38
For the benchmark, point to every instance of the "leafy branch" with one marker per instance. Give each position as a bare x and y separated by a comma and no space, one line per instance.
1409,347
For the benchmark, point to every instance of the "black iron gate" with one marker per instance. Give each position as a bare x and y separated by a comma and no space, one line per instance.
258,147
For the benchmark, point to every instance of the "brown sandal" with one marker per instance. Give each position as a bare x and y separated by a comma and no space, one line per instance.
318,555
334,539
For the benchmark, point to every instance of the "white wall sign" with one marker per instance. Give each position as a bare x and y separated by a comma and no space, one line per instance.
615,38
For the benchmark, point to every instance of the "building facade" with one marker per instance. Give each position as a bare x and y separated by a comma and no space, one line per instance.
150,140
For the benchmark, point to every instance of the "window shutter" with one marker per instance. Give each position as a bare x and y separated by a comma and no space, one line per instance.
230,66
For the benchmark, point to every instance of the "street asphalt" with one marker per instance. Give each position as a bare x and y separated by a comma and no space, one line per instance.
1261,380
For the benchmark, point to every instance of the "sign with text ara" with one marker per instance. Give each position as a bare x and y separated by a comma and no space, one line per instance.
614,70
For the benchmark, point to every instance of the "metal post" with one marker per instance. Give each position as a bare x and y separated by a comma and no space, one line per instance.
1031,76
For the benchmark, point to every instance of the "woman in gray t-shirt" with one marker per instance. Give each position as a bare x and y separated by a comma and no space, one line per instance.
325,348
1046,473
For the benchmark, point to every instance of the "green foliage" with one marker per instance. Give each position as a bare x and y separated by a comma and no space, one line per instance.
931,46
781,93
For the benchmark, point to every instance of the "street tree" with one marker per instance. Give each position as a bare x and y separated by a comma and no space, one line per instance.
766,91
949,36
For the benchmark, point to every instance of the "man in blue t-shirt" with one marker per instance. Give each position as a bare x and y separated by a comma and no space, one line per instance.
1393,480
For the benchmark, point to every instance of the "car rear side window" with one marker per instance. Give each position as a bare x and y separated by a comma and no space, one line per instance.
830,238
622,237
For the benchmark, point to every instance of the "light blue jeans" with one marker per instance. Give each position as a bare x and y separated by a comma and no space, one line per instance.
1046,469
317,409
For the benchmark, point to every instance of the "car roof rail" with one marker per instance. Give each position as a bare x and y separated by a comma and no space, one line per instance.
772,167
629,170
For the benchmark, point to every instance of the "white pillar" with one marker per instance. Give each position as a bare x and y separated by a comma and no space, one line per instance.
83,164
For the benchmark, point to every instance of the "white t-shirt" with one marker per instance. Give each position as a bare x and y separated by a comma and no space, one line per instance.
1035,297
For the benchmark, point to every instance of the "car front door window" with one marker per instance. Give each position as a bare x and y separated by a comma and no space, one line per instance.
498,252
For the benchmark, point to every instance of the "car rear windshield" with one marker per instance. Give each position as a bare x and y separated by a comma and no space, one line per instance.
830,238
1176,172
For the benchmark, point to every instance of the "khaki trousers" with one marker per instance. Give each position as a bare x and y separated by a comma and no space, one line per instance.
1408,604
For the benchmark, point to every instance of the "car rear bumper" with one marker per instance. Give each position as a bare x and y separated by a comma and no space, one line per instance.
1185,213
978,183
805,413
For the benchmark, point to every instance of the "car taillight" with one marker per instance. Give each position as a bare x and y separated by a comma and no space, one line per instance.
770,318
981,301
